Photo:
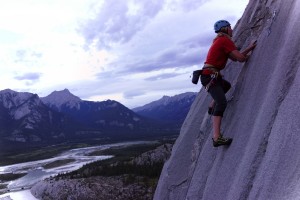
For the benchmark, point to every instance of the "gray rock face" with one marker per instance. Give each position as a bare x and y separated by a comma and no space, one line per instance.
262,117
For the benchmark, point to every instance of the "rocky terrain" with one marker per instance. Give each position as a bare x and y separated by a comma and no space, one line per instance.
97,188
125,186
160,154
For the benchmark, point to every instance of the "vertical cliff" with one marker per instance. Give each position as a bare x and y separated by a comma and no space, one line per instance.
262,117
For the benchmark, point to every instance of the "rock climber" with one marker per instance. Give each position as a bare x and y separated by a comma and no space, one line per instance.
221,49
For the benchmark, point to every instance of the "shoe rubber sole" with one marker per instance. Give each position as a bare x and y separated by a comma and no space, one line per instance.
227,143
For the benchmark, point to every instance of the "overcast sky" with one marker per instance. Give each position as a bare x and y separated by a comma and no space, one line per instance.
131,51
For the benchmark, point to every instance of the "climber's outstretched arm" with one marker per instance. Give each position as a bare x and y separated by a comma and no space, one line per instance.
242,56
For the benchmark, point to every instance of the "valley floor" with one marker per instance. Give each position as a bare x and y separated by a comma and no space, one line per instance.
134,170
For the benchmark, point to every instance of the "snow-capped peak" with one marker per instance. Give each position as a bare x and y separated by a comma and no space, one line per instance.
58,98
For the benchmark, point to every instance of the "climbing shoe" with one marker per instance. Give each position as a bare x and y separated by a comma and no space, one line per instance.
222,141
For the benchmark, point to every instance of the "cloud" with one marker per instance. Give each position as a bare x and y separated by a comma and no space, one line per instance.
162,76
186,5
200,40
133,93
29,76
118,21
27,56
182,56
105,75
145,35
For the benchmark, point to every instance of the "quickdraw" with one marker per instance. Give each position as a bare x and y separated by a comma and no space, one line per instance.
213,76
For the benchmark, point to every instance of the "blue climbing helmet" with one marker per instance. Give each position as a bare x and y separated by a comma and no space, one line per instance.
219,24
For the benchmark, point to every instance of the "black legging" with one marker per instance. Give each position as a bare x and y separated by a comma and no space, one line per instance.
217,90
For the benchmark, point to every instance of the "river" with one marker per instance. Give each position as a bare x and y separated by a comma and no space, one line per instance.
19,189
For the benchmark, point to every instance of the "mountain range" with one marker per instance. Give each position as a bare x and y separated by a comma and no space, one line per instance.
25,118
168,109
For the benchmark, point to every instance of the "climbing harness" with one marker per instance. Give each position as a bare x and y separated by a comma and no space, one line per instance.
212,80
214,74
207,70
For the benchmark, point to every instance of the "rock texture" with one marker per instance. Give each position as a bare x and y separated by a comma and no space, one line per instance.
262,117
159,155
93,188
